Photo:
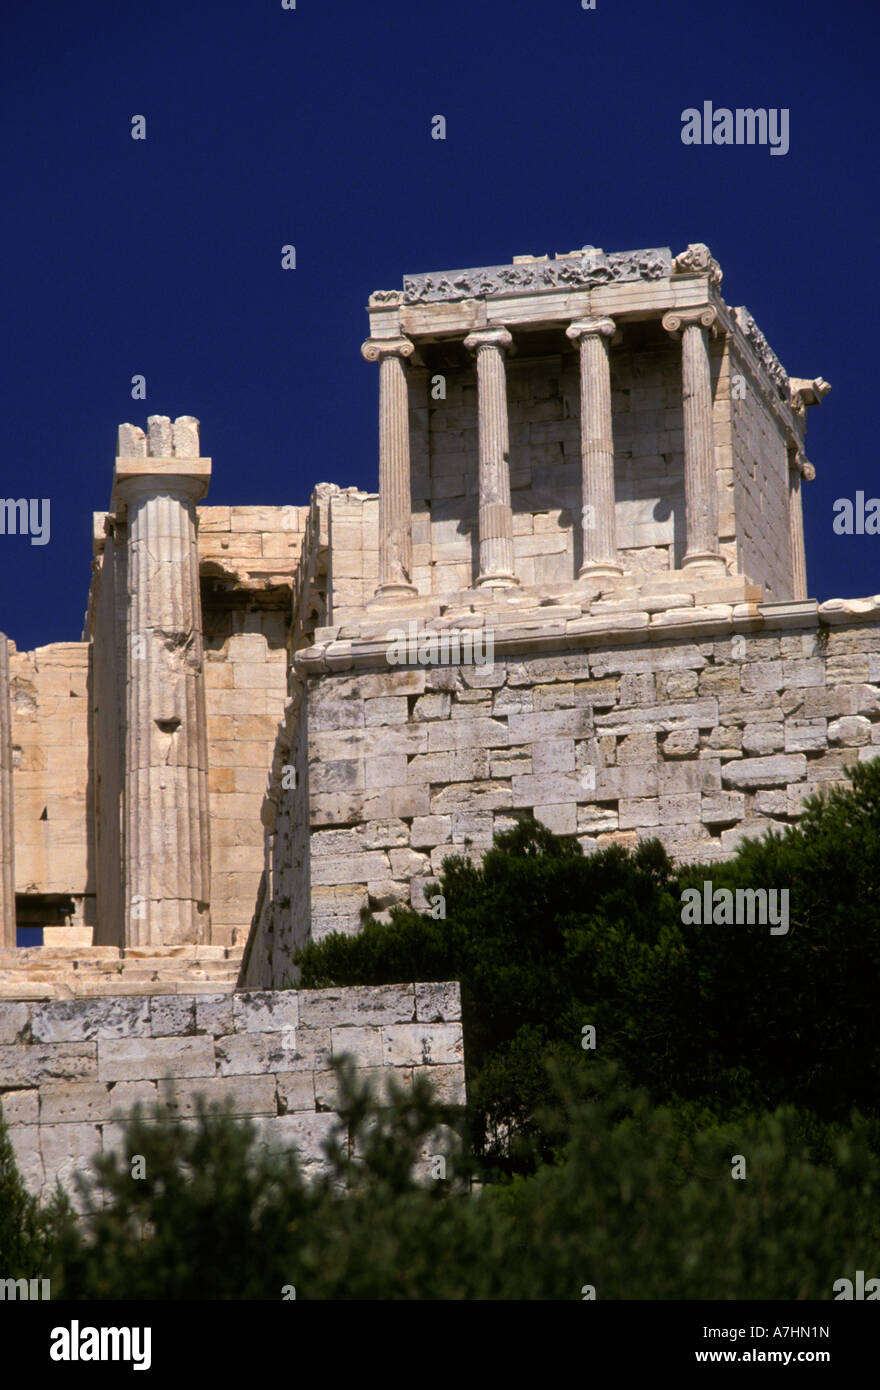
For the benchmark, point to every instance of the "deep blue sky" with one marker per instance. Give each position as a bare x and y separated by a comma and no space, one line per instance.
312,127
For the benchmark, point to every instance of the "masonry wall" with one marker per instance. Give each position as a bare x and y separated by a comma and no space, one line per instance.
54,845
71,1070
760,480
697,742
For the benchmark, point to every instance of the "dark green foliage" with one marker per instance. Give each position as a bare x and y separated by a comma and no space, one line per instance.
714,1019
635,1207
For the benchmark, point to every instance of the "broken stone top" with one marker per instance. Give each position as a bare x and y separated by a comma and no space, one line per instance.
164,459
163,439
583,269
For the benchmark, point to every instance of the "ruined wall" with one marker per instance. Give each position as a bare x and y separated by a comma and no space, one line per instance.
54,842
70,1070
698,739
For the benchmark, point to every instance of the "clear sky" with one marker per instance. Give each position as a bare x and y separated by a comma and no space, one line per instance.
312,127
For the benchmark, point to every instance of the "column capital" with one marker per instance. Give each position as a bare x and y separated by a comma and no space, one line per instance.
149,477
583,328
374,349
702,316
497,337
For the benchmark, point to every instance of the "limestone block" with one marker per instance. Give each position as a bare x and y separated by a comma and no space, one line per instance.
385,710
765,772
125,1095
758,676
763,738
560,817
548,789
751,830
685,809
853,730
633,783
428,831
448,1083
640,811
406,863
172,1014
295,1090
265,1011
468,733
480,796
246,1095
638,689
68,1150
690,714
422,1044
771,803
856,699
71,1103
696,775
14,1018
214,1014
307,1133
360,1005
350,868
363,1045
474,827
384,772
438,1002
78,1020
300,1049
722,808
805,735
25,1141
135,1059
433,705
803,673
594,820
20,1107
551,724
23,1064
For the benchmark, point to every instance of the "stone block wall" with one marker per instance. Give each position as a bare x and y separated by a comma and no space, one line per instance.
759,464
698,738
71,1070
54,838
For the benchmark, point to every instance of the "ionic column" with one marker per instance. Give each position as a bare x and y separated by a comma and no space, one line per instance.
166,835
597,447
7,839
798,468
700,481
395,502
496,517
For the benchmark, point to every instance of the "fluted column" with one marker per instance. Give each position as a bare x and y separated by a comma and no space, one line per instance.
395,500
798,468
166,831
7,838
597,447
700,481
496,517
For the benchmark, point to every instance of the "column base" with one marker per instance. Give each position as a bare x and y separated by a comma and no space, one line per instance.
600,569
497,579
392,593
706,559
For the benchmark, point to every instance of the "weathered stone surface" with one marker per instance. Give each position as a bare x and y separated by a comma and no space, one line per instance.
764,772
129,1059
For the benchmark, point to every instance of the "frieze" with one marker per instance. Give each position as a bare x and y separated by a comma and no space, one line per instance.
774,368
583,271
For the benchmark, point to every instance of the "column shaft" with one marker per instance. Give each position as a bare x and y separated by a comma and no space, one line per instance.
395,498
700,482
597,448
796,531
495,514
166,817
7,838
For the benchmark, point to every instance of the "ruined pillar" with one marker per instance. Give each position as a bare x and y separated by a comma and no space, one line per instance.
597,447
496,516
166,847
700,482
7,839
395,502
